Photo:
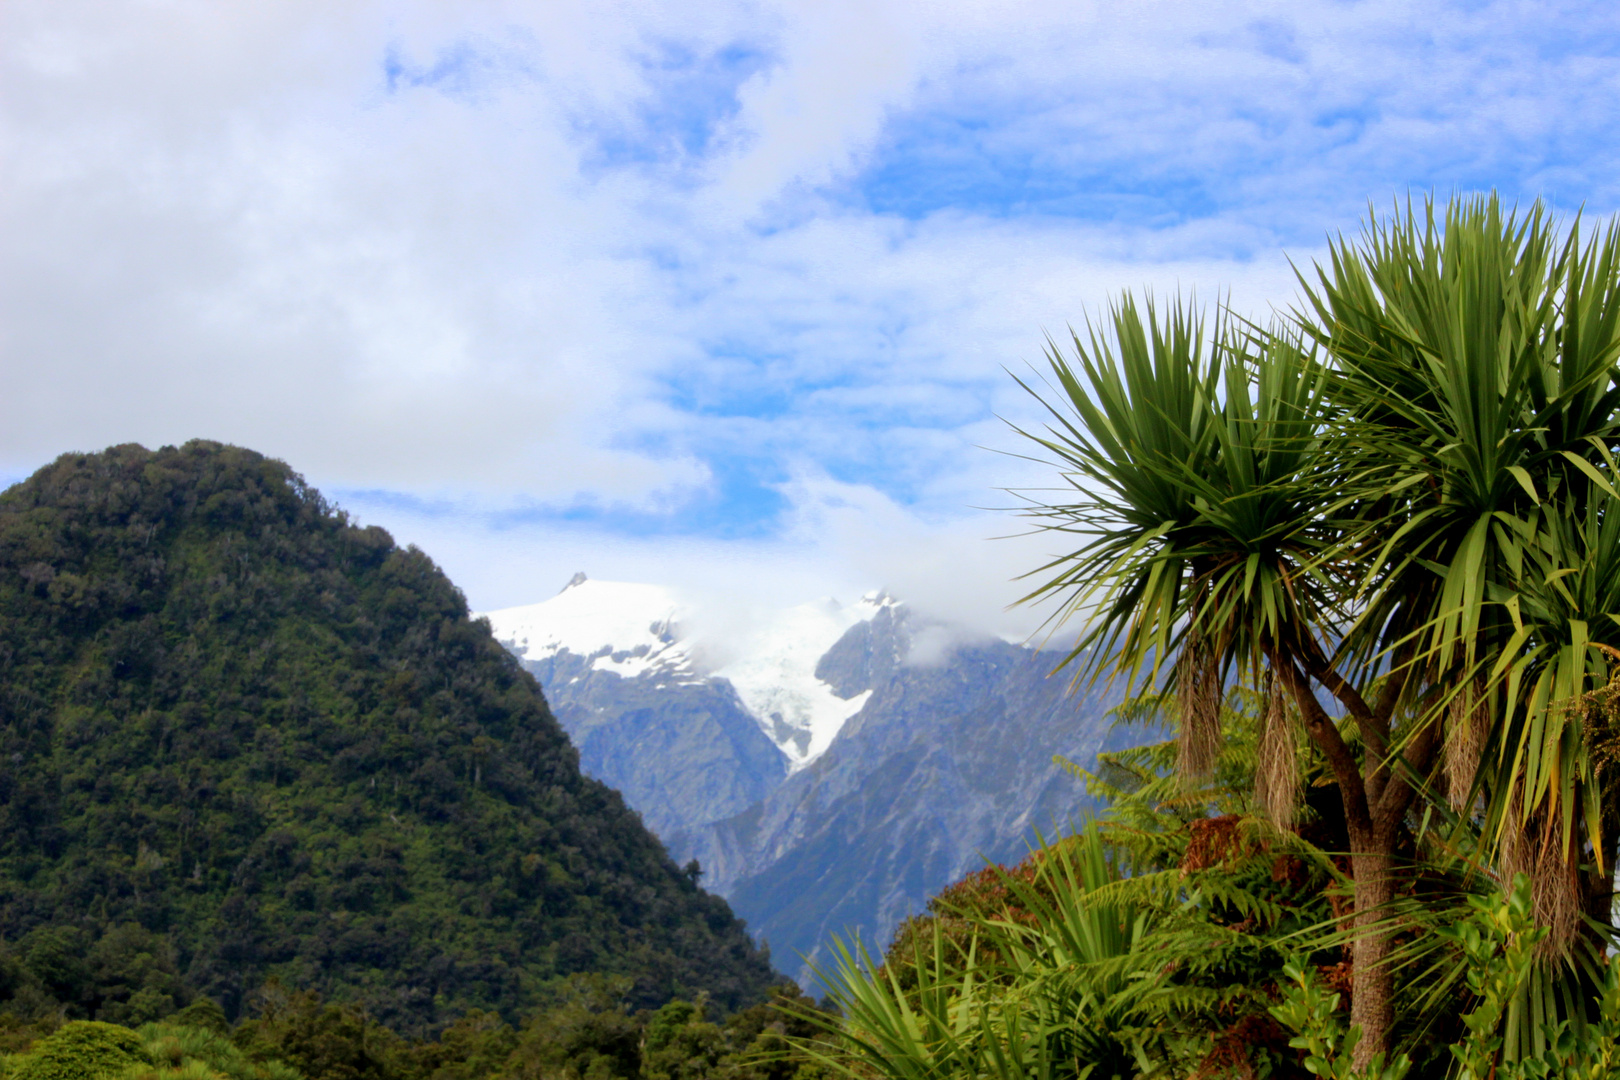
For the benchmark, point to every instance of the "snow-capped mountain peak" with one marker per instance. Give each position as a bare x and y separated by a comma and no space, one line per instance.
633,630
626,628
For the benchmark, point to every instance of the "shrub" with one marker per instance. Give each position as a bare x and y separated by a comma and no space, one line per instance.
182,1052
81,1050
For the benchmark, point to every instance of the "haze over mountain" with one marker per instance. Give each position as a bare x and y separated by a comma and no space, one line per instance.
831,770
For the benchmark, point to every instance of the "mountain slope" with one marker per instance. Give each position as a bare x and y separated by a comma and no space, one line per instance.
632,693
687,742
947,764
915,771
234,719
681,751
638,632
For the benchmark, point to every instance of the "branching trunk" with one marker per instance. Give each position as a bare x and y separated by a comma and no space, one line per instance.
1375,799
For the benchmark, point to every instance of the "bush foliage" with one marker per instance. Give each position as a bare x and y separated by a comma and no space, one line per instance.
80,1050
1184,935
586,1030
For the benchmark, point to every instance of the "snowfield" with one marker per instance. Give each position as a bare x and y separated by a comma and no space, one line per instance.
635,630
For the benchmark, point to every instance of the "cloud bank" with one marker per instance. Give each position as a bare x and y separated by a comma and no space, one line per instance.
714,295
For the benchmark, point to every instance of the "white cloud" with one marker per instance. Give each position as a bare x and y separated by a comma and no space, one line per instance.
565,261
804,121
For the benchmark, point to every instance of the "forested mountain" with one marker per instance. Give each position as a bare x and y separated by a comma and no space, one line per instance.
242,737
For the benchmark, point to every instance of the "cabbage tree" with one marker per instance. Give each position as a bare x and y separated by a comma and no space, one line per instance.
1396,500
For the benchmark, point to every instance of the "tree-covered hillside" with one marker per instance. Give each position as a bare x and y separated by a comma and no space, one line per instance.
241,737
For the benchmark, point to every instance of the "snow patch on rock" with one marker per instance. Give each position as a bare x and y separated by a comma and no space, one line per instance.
776,676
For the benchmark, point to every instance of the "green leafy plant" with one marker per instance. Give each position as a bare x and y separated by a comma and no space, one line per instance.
1065,966
1402,498
174,1051
1313,1012
1499,943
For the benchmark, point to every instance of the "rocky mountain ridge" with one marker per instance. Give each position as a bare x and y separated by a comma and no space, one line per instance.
944,759
630,630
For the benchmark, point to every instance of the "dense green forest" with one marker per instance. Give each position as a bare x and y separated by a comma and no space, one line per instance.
243,738
584,1027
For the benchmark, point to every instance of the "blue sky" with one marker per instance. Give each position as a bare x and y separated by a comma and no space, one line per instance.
716,295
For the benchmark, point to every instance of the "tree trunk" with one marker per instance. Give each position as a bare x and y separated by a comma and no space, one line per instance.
1375,801
1372,986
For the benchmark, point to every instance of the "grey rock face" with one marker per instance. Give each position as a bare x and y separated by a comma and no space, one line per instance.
867,655
948,765
684,753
